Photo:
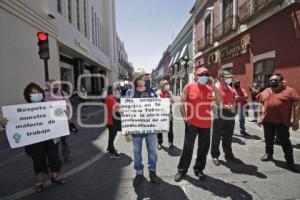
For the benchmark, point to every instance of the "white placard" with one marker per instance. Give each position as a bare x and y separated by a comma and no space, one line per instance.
35,122
145,115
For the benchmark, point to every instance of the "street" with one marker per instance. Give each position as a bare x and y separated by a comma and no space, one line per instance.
93,175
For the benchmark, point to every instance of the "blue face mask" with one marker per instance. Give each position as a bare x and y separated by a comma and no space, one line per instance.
202,80
148,84
37,97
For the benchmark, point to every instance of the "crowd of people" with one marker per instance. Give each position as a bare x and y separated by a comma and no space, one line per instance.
208,107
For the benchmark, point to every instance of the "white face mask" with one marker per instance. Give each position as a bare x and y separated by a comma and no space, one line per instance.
167,87
37,97
228,81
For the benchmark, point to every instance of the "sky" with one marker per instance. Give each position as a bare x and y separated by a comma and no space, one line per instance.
148,27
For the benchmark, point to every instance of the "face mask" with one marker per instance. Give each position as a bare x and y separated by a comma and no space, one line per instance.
228,81
37,97
167,87
274,85
148,84
202,80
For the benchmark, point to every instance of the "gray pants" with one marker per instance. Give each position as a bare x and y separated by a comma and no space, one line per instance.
65,148
222,127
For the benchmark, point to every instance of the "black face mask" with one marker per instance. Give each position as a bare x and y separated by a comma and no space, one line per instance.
274,85
237,86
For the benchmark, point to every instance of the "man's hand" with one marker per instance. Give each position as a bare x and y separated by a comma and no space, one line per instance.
3,122
295,125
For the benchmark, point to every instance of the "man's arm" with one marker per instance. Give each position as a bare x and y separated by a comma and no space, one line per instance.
295,115
183,99
217,94
3,122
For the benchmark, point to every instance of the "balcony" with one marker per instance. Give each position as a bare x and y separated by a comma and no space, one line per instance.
224,28
246,10
204,42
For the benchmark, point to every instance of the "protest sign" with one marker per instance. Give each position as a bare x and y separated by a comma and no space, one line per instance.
145,115
35,122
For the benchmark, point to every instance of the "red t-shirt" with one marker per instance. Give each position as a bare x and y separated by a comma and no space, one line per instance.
111,103
278,106
165,94
242,93
198,108
227,94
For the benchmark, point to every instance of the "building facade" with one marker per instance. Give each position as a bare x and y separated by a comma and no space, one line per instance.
82,43
251,38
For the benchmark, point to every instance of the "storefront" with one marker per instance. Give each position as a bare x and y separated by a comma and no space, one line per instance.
272,46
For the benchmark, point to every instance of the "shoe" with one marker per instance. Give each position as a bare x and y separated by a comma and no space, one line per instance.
244,133
137,179
58,181
153,177
39,188
159,147
292,167
216,161
171,146
253,120
114,155
179,176
201,176
266,158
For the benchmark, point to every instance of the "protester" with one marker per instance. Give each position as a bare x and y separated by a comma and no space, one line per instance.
195,109
112,106
43,153
141,91
256,88
279,109
54,93
166,93
241,97
3,121
223,122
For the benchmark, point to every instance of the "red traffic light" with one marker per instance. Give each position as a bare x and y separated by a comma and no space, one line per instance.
42,36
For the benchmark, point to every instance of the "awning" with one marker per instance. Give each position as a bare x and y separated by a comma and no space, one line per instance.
176,58
184,52
171,62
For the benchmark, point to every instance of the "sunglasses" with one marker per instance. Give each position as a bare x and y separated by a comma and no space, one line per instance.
274,80
203,74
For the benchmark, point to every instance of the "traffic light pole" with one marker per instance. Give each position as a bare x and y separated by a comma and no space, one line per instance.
46,70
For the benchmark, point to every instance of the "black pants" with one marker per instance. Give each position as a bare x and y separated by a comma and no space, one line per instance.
270,130
65,147
191,132
41,152
170,134
223,126
111,138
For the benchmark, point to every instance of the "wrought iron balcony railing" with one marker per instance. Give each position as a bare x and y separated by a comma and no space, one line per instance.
204,42
224,28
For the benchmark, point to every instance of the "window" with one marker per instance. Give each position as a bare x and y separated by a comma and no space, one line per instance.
70,11
59,9
227,9
207,29
85,18
263,69
78,14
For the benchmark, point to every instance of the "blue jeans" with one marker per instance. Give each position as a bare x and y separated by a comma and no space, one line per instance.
241,113
151,141
255,109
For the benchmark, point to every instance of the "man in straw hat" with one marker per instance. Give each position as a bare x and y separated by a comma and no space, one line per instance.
140,90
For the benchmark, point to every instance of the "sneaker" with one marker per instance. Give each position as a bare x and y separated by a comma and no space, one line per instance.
39,188
137,179
153,177
171,146
266,158
159,146
179,176
232,159
244,133
201,176
114,155
216,161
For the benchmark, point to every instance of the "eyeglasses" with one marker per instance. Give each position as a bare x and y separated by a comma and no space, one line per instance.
274,80
203,74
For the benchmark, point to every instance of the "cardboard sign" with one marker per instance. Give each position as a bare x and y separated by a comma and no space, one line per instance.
35,122
145,115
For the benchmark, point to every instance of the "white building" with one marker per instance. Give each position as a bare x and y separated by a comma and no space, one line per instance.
82,39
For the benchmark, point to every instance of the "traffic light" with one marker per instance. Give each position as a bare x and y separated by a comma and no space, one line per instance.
43,44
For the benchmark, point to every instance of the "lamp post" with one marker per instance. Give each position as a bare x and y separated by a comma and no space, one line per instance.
184,62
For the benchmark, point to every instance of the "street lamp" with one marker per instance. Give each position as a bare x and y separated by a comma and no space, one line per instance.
184,62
